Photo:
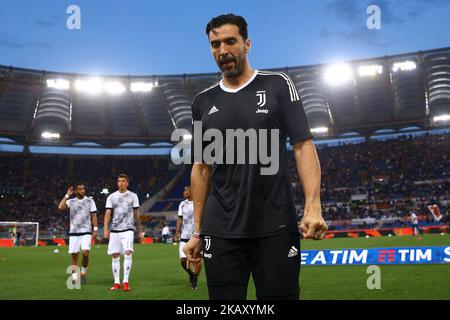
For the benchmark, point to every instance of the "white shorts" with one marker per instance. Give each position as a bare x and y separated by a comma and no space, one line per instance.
77,242
119,242
180,250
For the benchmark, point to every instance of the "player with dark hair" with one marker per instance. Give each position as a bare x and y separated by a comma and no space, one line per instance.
247,220
124,206
83,213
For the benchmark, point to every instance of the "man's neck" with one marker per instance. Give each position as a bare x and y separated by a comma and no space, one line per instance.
123,191
236,82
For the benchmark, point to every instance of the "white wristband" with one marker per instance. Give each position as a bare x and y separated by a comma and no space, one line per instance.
67,196
95,228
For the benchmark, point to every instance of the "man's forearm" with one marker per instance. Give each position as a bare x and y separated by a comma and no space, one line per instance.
62,204
178,229
137,217
94,220
308,168
200,185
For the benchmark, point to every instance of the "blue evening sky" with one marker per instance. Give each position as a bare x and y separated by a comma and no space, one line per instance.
167,37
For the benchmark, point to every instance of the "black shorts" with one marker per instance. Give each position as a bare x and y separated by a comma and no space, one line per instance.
274,263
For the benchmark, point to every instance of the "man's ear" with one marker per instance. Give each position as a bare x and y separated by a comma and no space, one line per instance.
248,45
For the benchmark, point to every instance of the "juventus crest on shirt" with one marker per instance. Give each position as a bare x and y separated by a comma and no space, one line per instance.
244,203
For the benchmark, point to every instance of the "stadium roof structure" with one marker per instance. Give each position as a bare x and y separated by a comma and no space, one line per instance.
360,96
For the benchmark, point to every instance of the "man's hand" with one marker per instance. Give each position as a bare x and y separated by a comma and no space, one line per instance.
192,251
176,238
106,233
141,237
312,225
94,235
70,191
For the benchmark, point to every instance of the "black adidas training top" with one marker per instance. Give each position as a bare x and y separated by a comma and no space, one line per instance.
242,202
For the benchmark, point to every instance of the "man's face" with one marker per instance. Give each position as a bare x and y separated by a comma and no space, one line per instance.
187,192
229,49
122,183
80,191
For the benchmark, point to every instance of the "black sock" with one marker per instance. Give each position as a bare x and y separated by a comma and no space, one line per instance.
189,271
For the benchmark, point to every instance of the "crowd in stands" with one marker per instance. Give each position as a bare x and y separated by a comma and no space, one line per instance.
371,184
387,179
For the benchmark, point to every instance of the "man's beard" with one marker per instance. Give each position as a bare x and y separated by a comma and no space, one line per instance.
236,71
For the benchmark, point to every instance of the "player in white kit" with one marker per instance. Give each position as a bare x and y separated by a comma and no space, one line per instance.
83,213
185,228
124,206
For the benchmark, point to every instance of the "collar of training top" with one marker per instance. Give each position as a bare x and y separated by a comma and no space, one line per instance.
222,86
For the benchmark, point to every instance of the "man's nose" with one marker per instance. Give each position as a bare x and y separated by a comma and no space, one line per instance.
223,51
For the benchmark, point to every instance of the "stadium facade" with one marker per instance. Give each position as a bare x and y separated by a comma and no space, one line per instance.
356,98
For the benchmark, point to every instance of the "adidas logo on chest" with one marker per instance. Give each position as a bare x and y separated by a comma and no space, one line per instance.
213,110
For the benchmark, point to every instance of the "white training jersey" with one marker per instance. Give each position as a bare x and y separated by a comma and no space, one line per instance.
186,210
414,218
80,215
122,205
165,231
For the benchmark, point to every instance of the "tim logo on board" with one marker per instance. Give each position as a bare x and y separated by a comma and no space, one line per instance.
410,255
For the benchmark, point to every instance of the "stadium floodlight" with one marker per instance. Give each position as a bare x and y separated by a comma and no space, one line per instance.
62,84
442,118
187,137
114,87
404,66
92,86
319,130
141,86
105,191
338,74
50,135
370,70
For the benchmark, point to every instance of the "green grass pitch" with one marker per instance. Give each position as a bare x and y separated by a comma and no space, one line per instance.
38,273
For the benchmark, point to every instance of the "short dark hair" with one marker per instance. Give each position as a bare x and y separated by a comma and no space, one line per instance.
79,183
230,18
123,175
